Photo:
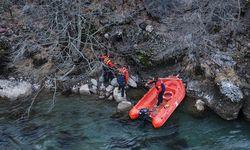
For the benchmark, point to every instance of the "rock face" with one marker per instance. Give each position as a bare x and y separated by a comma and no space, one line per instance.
219,102
13,90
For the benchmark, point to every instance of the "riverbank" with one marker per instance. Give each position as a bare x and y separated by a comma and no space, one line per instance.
207,49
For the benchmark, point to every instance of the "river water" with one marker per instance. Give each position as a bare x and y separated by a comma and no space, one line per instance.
85,123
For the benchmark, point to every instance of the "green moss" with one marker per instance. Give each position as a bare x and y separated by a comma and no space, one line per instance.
144,58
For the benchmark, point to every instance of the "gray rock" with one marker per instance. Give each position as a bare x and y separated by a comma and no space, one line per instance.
117,95
84,89
114,82
124,106
214,99
94,82
109,88
200,105
13,90
132,82
231,91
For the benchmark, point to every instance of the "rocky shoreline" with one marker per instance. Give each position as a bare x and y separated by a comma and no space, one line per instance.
211,54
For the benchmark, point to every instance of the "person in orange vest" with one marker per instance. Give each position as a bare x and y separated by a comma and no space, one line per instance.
122,79
108,65
160,87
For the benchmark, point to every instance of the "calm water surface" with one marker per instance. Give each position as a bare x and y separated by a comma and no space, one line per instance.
85,123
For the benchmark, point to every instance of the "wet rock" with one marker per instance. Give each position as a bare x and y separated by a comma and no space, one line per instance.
200,105
84,89
124,106
117,95
13,90
94,82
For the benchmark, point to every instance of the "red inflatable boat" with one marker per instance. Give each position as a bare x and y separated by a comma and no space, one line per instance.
175,93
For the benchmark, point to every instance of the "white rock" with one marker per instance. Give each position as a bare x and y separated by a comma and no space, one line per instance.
84,89
75,89
109,88
132,82
114,82
101,97
94,82
200,105
14,90
124,106
110,97
149,28
106,35
117,95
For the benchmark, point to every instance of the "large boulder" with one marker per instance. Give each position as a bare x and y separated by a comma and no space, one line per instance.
124,106
219,102
13,90
117,95
84,89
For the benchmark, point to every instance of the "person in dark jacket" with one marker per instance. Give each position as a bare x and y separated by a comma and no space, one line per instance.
160,87
122,79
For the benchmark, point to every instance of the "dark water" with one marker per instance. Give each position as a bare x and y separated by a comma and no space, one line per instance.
84,123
